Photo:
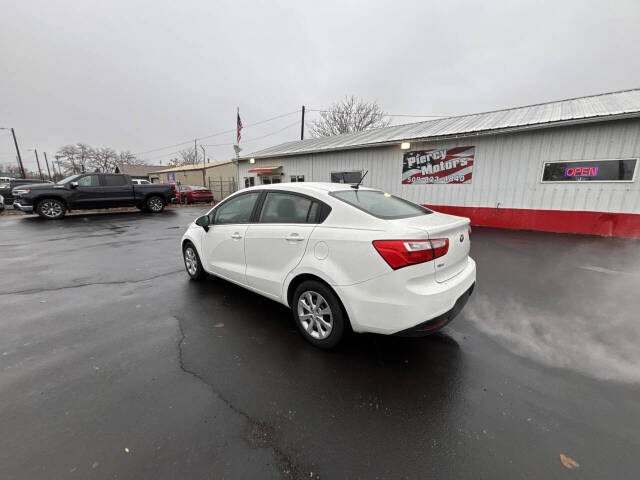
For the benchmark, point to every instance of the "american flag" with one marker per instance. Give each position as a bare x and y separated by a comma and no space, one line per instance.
239,127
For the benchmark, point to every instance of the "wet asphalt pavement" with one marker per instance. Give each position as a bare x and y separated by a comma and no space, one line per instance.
114,365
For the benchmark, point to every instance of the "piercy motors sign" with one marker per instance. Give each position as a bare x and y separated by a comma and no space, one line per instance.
449,165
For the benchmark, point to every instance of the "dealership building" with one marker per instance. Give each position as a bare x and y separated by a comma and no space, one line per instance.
565,166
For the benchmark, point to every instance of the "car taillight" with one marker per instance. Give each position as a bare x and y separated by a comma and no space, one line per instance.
401,253
469,231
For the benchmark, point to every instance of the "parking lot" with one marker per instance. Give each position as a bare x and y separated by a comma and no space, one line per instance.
114,365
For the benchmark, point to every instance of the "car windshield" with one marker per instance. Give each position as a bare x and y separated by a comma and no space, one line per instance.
68,179
199,188
380,204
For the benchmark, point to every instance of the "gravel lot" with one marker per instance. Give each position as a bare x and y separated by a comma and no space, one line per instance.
114,365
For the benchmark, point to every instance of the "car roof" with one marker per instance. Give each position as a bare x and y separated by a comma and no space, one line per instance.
29,180
306,187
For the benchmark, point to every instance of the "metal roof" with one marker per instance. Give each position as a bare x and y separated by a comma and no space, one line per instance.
138,170
197,166
606,106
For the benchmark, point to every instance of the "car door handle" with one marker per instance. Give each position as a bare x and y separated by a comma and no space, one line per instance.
294,237
236,236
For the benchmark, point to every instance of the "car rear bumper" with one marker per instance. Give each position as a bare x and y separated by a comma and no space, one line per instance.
435,324
22,207
386,305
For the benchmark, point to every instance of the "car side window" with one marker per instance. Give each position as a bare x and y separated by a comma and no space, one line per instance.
236,210
89,181
286,208
114,180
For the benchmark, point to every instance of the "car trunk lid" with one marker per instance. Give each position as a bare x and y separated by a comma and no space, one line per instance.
454,229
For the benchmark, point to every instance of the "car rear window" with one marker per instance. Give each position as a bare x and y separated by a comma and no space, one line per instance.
381,204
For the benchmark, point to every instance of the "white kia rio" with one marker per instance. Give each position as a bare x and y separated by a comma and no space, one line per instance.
340,257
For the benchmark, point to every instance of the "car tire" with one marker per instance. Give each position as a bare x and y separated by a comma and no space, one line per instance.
51,209
318,314
154,204
192,262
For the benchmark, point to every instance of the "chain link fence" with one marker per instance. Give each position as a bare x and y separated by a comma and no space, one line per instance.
221,189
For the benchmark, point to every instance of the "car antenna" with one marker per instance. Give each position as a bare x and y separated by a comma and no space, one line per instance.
357,185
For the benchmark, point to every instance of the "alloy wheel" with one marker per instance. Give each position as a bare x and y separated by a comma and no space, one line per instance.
51,209
314,314
155,204
190,260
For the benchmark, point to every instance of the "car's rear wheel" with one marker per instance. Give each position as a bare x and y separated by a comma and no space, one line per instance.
51,209
192,262
318,314
154,204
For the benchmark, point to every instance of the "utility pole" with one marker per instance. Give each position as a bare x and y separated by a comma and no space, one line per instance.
204,154
195,151
302,125
15,142
38,162
47,162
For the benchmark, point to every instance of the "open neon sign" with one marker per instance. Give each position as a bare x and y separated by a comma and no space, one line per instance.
581,172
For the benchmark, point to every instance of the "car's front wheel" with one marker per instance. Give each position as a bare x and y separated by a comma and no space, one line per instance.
192,262
318,314
51,209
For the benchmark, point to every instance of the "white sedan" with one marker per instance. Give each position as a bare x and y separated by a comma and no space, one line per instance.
340,257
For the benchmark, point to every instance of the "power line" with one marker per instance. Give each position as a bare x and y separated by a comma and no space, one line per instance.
384,115
297,122
216,134
164,155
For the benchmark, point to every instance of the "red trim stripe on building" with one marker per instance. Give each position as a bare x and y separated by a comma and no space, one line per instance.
559,221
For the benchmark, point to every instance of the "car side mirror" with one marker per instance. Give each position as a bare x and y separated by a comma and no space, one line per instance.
74,184
203,222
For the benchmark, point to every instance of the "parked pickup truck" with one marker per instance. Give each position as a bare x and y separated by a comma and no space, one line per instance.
87,191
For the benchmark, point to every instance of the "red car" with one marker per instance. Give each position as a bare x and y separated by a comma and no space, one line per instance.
193,193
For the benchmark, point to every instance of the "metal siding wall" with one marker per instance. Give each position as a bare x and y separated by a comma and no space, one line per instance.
507,169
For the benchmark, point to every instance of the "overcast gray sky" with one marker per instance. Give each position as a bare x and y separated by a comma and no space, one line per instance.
140,75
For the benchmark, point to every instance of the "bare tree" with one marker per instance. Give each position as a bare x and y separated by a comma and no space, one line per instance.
128,158
85,153
185,157
67,156
10,168
104,159
350,115
81,157
15,170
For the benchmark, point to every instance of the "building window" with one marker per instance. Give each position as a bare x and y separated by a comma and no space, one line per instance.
249,182
353,176
269,179
297,178
618,170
